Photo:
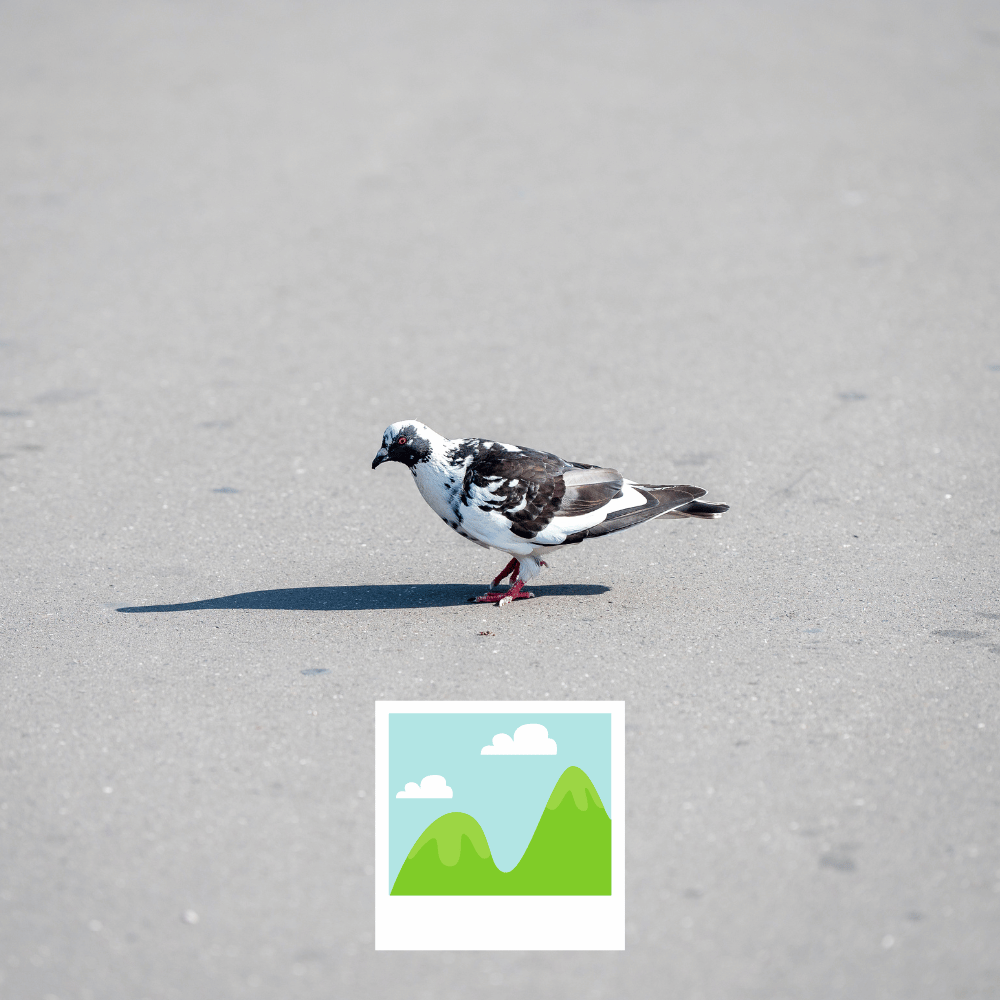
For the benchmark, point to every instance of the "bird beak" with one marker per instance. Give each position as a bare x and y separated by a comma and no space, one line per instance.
380,457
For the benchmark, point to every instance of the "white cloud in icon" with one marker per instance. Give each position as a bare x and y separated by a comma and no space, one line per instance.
529,740
432,787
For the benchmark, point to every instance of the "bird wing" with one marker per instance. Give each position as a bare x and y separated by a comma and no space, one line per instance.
640,502
529,488
588,488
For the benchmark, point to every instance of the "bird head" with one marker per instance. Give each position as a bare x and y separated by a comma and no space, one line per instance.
407,441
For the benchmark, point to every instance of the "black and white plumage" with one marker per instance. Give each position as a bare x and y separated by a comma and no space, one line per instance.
526,502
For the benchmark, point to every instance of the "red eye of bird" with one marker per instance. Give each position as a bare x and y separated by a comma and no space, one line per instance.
401,440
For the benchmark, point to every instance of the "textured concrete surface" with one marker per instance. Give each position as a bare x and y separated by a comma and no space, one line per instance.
750,246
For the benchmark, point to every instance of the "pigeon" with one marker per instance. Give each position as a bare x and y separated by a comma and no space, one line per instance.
526,502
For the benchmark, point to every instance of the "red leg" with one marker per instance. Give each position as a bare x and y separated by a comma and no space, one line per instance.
509,570
516,593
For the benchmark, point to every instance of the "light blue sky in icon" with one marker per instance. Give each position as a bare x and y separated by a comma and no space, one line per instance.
506,794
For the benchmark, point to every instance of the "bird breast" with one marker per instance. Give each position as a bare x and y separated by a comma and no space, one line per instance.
441,488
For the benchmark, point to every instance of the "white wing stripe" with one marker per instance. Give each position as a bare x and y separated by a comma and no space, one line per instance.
558,528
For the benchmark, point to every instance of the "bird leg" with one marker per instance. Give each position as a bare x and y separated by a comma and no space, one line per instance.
515,593
509,570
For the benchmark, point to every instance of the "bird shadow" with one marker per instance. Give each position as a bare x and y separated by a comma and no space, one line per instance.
371,597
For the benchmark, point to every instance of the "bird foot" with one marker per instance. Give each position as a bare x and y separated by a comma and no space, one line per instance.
515,592
501,598
508,597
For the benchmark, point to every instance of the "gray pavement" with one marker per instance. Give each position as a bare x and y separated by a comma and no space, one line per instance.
749,246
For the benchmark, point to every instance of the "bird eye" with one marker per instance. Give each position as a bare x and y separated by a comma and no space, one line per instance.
401,440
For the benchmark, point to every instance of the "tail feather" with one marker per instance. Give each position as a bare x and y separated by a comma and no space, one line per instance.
698,509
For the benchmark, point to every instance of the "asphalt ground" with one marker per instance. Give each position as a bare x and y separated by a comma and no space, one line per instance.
747,246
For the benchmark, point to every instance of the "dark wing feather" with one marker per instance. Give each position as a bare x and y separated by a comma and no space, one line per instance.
587,489
660,500
525,486
531,487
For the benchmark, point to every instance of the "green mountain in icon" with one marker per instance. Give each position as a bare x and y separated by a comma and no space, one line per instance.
569,853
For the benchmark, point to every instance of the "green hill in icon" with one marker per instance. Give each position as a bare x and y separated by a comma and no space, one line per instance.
569,853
